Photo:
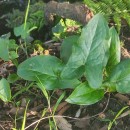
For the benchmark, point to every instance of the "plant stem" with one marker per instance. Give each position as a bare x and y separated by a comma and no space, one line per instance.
48,101
25,25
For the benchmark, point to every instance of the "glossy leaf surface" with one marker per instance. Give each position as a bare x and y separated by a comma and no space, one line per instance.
91,51
5,92
46,69
120,77
115,53
20,31
4,53
66,47
85,95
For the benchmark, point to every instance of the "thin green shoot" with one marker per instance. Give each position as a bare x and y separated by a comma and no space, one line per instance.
25,24
40,84
34,27
55,108
118,114
50,124
15,120
43,114
24,119
58,102
26,15
22,90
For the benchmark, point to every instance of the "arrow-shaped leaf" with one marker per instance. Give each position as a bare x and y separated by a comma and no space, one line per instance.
91,51
47,69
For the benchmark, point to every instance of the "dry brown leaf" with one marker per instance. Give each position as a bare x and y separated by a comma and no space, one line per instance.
83,123
23,102
63,124
128,103
19,111
32,113
124,114
60,106
102,116
63,110
38,108
122,97
104,127
3,69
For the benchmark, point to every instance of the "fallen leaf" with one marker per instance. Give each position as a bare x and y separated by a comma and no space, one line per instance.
63,110
63,124
128,103
122,97
38,108
23,102
124,114
60,106
19,111
83,123
78,113
104,127
102,116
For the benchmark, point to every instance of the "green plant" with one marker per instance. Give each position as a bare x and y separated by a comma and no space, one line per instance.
5,92
35,16
112,9
118,114
24,30
60,29
96,56
8,49
24,119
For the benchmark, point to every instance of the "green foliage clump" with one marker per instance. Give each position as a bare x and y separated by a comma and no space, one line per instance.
61,29
8,49
111,9
35,16
94,55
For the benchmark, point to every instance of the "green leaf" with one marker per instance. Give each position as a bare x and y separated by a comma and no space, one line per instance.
12,78
115,53
91,51
48,70
12,44
6,36
55,83
59,28
47,66
4,52
6,46
66,47
85,95
20,31
69,23
13,55
5,92
120,77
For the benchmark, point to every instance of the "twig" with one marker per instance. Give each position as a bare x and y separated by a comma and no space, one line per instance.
2,127
48,42
86,118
